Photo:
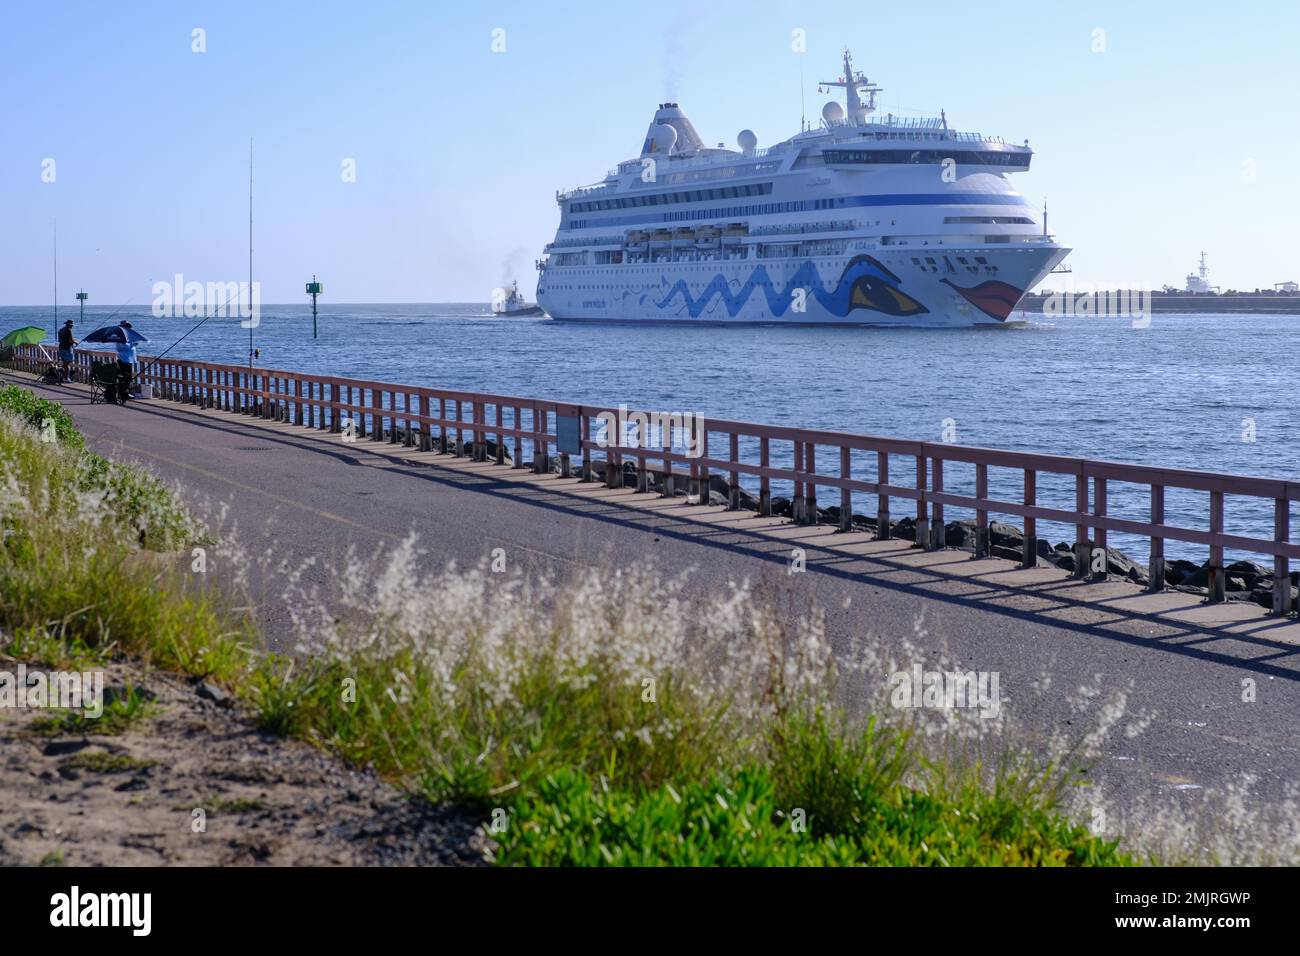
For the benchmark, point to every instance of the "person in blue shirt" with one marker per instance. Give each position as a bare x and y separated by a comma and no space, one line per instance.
126,362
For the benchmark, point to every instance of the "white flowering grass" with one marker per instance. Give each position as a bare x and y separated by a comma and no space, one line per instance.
72,585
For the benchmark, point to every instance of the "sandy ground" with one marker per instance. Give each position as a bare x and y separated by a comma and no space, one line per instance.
130,798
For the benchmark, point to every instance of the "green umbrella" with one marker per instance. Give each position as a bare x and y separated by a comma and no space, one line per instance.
27,335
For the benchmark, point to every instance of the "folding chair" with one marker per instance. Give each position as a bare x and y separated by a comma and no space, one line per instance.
103,382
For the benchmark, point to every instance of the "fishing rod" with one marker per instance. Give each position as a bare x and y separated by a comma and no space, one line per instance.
220,310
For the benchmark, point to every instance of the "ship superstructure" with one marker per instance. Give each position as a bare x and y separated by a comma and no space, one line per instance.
862,220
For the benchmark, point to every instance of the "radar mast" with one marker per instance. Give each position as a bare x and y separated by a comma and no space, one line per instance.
853,83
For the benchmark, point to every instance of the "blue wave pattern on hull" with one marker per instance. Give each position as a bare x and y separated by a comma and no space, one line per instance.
864,284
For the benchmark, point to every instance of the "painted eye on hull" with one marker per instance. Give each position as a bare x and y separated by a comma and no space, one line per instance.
872,294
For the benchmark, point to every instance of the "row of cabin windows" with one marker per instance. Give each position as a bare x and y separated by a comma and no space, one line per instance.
665,199
927,157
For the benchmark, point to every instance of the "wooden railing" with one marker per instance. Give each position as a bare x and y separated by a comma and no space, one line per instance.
433,418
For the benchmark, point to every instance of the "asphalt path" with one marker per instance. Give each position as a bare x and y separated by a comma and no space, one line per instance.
299,494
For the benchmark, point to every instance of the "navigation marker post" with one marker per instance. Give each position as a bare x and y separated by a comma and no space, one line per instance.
314,289
81,300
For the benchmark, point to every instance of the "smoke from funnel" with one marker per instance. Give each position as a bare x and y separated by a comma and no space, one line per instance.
677,52
511,265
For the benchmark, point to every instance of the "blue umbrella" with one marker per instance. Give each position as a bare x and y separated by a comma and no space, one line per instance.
114,334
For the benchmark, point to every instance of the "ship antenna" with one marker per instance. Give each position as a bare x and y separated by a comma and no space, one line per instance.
803,110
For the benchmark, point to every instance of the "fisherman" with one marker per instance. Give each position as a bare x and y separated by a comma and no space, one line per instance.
126,361
66,344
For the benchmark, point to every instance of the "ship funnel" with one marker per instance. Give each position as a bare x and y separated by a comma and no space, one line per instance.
686,139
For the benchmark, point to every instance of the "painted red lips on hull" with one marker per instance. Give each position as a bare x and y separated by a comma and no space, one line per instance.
994,298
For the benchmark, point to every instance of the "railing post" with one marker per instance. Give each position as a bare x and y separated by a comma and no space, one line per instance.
642,473
733,479
613,439
480,437
810,486
501,438
796,495
882,499
541,448
1099,533
1029,558
922,520
764,482
1156,564
458,442
1281,563
706,491
1082,558
584,432
938,540
1217,579
668,464
426,430
846,496
981,514
519,438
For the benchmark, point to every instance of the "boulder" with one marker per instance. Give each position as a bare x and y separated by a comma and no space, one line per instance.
1006,535
904,528
1248,571
1064,559
781,507
1178,571
1002,551
959,534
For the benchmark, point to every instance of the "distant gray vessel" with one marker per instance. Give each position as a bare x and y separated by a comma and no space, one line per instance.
514,304
1198,295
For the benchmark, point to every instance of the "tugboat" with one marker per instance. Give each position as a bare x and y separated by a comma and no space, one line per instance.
514,305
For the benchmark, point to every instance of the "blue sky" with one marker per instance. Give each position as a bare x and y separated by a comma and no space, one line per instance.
1141,149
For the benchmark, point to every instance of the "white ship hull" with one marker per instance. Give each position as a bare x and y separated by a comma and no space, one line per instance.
785,291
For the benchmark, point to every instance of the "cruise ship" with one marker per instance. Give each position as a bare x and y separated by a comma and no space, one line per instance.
862,219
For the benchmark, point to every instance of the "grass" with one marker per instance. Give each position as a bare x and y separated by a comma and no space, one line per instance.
604,720
98,761
120,714
235,805
51,419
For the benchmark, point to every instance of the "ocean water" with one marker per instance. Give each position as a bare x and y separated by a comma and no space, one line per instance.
1208,392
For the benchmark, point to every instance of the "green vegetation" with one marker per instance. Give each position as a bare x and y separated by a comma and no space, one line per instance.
236,805
605,720
743,821
41,414
98,761
120,714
